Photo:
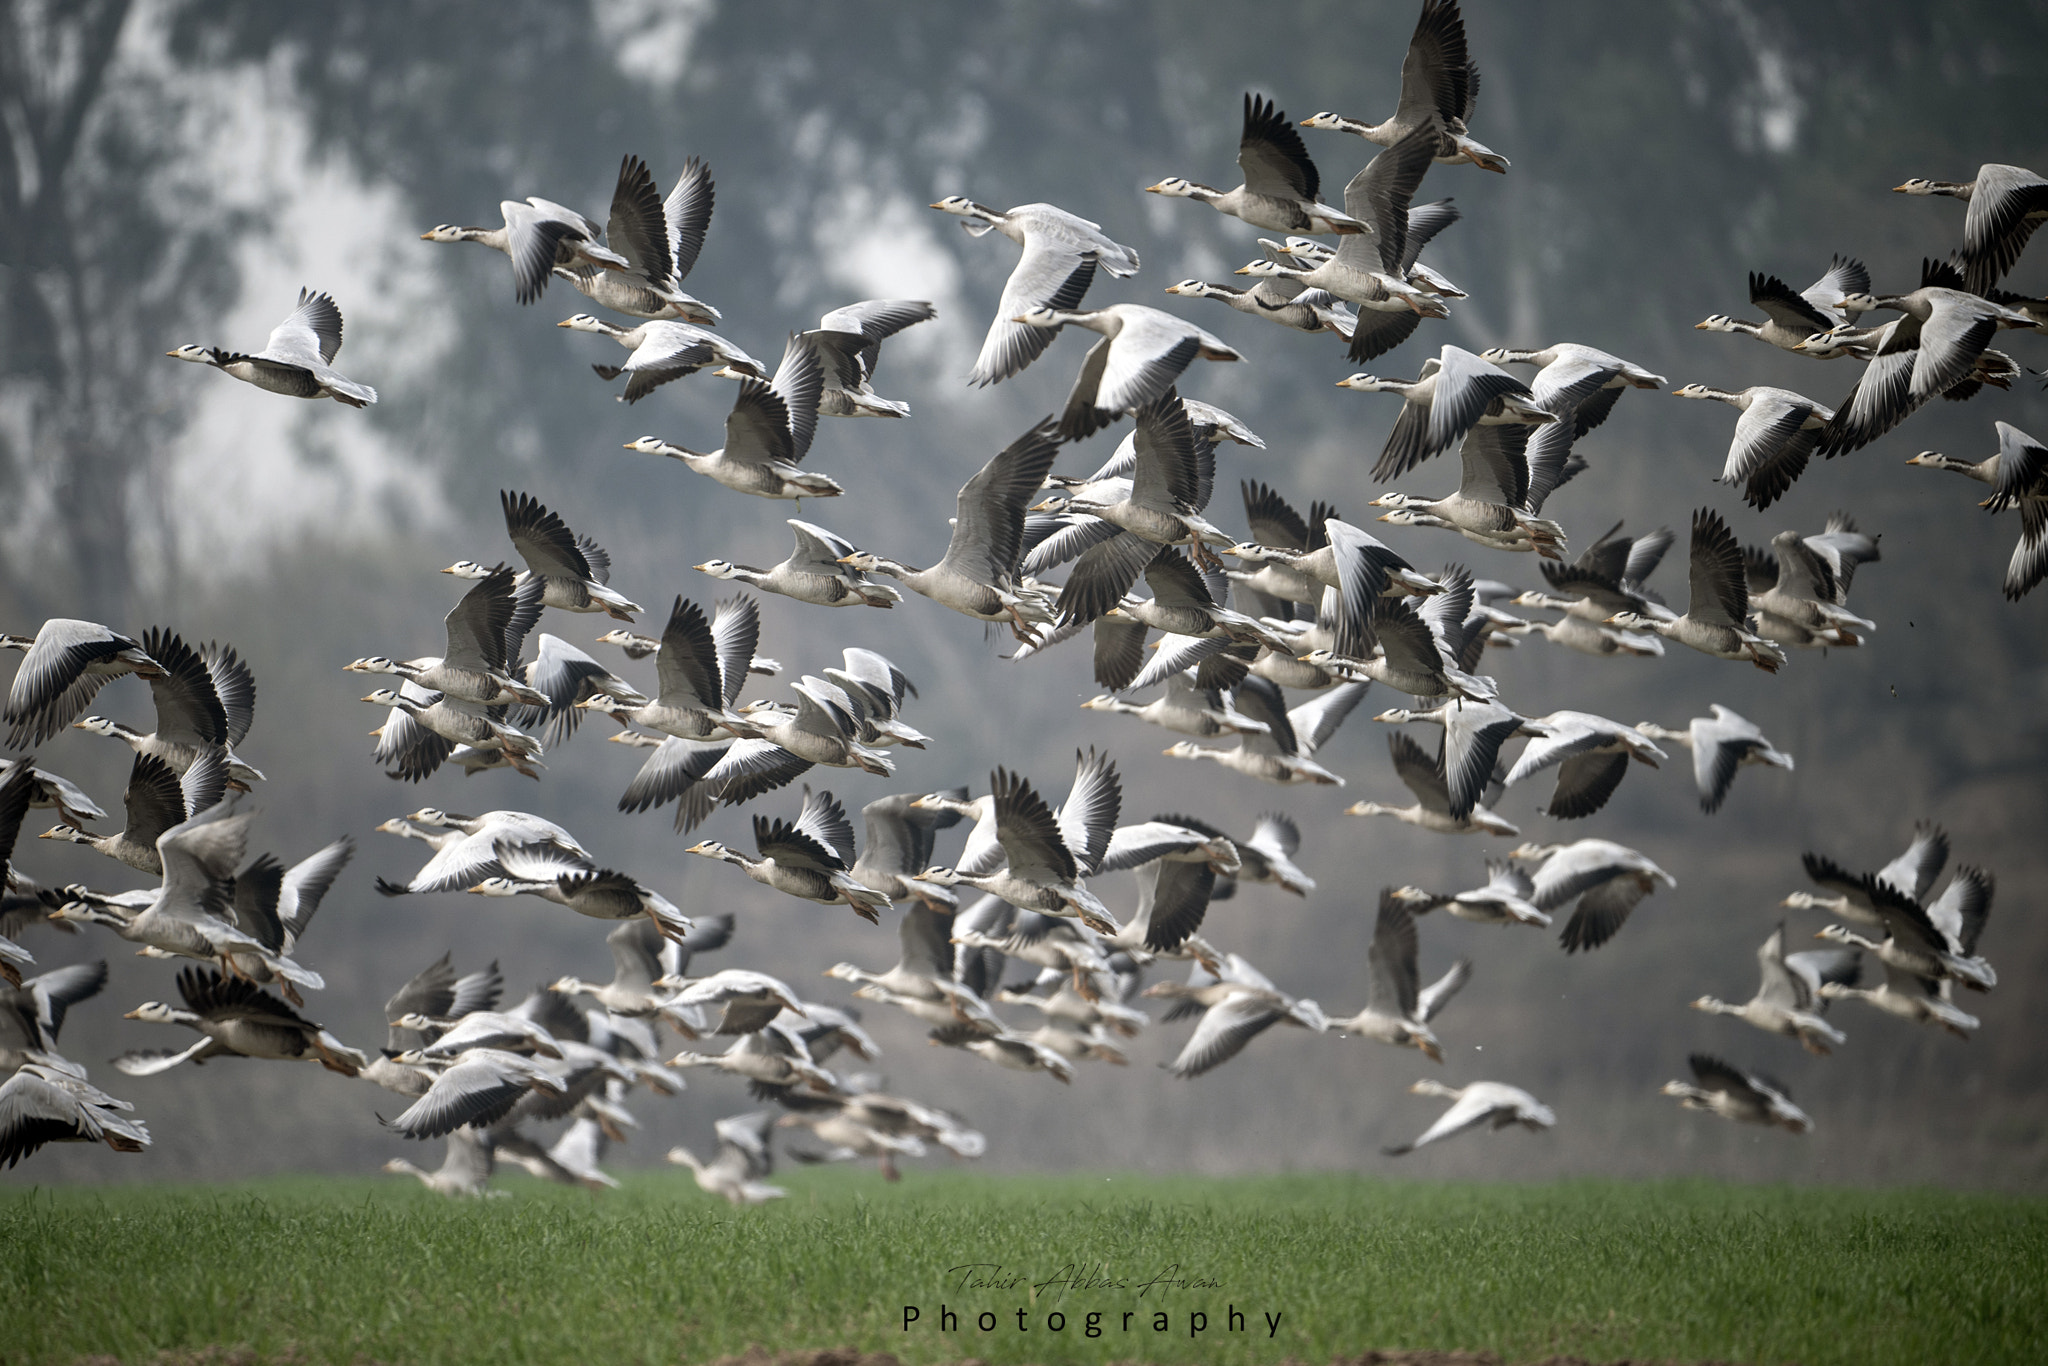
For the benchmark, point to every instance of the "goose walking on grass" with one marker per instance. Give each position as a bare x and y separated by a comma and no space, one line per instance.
1719,602
1439,89
1140,357
1734,1093
1424,776
1720,744
1608,879
575,571
1776,434
1061,252
538,236
767,434
1281,184
297,361
1490,1103
978,576
806,858
1791,317
65,665
660,239
1398,1008
2006,204
1790,999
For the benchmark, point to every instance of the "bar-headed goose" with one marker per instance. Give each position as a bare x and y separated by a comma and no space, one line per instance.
1937,941
660,240
47,1104
1791,317
156,799
205,700
1280,299
1491,504
1608,879
735,1173
465,850
1490,1103
978,577
1142,353
1790,999
465,1170
1282,187
477,1087
1733,1093
297,361
1720,744
1777,432
1456,391
701,667
663,351
538,236
574,570
2023,483
849,342
544,871
1439,89
1238,1004
1280,753
1504,900
807,858
1423,775
767,434
1719,602
815,572
67,663
1398,1008
237,1019
2006,204
1061,251
1046,854
484,631
1799,587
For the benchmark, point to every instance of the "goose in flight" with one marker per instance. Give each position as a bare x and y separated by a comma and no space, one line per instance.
1456,391
1185,707
1607,577
485,630
2023,483
1777,432
574,570
1733,1093
1492,504
465,1170
1281,189
806,858
735,1173
156,799
1140,357
1720,744
1911,874
1911,997
815,572
1474,732
849,343
1591,755
48,1104
2006,204
663,351
538,236
1280,753
1279,299
66,663
1424,776
1061,252
1799,587
1238,1004
297,361
1504,900
921,982
1789,1000
466,849
542,870
475,1087
767,434
205,700
1608,879
1398,1008
1439,89
32,1011
1045,855
1937,941
237,1019
1719,602
1266,856
1791,317
1490,1103
978,576
1372,269
660,239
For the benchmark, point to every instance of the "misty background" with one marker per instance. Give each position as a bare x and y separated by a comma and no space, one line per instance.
175,172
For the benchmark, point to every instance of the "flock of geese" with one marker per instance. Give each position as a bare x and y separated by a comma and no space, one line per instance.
1254,643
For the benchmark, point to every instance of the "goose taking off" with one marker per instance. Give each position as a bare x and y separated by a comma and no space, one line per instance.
1398,1008
47,1104
1607,878
538,236
849,342
1490,1103
1719,601
1238,1004
1790,999
767,434
2006,204
297,361
660,240
743,1159
1732,1093
1439,89
1424,776
1720,744
1142,353
807,858
602,894
1061,251
1789,317
237,1019
1281,184
465,1170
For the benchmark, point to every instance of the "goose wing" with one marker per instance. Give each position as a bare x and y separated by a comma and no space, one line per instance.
1379,195
638,227
1437,75
688,668
1602,911
1104,573
311,336
53,686
478,624
1846,275
1469,1111
1466,385
1719,590
1393,985
735,635
1034,846
1054,272
543,539
1782,305
1781,986
1495,467
687,211
1419,773
1963,907
988,528
1315,721
1261,700
188,709
2005,208
1137,366
1088,817
818,551
757,432
1271,154
1225,1029
478,1090
1167,475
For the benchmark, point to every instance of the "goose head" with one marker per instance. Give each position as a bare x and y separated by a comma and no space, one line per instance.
1838,934
204,355
1712,1005
497,886
1267,269
97,725
1041,317
386,697
585,322
1429,1087
154,1012
1407,516
942,876
372,664
654,445
1175,187
861,560
1367,384
718,569
1694,391
446,232
1718,322
467,569
1923,187
1334,123
1197,289
1858,303
711,849
66,832
435,816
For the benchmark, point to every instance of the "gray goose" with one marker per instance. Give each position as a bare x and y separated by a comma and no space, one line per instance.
815,572
807,858
1398,1008
1790,317
1439,88
1046,855
1719,603
538,236
1281,186
2006,204
1720,744
1733,1093
205,700
237,1019
156,799
1143,352
574,571
767,434
1789,1000
660,239
485,630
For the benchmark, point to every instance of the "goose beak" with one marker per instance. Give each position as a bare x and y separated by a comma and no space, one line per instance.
563,323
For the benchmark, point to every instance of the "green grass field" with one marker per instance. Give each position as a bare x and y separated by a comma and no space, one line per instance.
345,1270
